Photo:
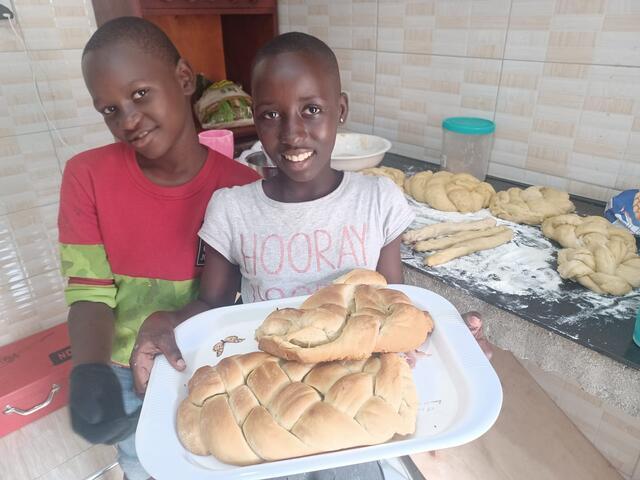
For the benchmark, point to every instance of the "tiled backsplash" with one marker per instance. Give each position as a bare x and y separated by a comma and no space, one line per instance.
561,78
33,152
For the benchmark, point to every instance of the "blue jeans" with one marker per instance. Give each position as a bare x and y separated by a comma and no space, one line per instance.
127,456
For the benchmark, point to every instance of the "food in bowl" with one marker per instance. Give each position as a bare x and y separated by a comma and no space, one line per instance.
262,164
355,151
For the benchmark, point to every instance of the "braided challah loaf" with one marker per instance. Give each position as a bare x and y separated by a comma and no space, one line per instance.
254,407
531,205
597,254
450,192
345,321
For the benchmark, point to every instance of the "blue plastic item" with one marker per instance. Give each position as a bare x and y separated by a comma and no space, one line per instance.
469,125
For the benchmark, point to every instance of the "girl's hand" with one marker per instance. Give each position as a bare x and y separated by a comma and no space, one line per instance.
413,357
473,320
155,337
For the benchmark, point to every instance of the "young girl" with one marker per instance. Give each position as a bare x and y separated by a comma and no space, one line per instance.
299,230
295,232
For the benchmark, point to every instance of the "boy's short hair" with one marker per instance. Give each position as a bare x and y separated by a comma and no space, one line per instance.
299,42
136,32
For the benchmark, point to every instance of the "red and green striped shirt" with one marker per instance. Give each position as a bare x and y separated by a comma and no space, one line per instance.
130,243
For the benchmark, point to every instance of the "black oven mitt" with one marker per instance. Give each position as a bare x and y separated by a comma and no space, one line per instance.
96,406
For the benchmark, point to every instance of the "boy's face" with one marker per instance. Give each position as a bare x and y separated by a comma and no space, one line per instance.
144,100
297,108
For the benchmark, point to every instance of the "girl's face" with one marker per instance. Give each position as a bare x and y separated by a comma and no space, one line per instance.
297,109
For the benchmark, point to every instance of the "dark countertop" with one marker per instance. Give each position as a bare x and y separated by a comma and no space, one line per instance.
601,323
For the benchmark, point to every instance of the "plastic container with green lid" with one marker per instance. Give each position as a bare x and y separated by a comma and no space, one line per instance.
636,330
467,144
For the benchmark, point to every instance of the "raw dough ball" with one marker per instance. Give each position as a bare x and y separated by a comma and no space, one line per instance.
450,192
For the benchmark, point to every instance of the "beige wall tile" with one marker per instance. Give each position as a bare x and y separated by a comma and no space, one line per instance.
29,172
414,93
58,24
474,28
35,234
19,112
576,120
8,40
79,139
31,305
507,152
11,269
66,99
345,24
283,16
357,74
578,31
31,293
629,175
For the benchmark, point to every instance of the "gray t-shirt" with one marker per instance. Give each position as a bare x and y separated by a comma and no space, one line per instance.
290,249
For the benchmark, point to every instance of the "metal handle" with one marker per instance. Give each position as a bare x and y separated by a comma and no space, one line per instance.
8,410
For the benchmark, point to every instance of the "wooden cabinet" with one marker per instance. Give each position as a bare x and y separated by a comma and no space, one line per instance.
219,38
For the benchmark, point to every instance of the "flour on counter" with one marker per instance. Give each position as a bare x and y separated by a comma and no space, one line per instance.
516,268
519,276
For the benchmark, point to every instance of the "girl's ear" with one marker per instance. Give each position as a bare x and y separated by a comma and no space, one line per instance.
344,107
186,77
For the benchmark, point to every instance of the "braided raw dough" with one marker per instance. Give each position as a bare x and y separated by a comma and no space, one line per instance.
255,407
573,231
393,173
450,192
531,205
345,321
597,254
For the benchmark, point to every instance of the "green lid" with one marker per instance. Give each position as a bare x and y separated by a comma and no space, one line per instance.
469,125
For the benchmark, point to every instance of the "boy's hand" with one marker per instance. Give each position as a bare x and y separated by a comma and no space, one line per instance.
96,407
155,337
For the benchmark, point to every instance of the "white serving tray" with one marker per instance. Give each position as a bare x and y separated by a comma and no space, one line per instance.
459,392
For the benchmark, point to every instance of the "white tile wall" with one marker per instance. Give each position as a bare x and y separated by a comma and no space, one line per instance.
33,152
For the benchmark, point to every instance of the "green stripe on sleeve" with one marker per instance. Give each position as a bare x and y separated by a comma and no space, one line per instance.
85,261
91,293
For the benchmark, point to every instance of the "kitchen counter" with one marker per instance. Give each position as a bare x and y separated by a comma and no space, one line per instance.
528,309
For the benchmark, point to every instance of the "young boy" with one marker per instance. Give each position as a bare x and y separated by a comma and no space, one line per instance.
128,221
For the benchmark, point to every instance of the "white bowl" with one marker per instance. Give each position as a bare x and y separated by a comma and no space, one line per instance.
355,151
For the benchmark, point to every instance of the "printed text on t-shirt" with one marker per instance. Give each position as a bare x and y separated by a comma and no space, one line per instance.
302,252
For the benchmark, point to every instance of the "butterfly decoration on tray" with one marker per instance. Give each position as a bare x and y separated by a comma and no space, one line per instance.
219,347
